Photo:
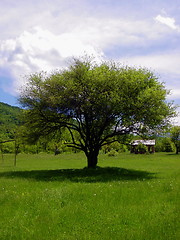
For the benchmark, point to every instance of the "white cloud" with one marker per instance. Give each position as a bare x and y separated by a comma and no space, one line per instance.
176,120
107,32
175,93
38,50
170,22
162,62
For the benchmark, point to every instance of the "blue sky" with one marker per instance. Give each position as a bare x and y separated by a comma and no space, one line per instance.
43,34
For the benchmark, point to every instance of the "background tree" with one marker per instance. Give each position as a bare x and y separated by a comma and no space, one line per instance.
175,137
95,102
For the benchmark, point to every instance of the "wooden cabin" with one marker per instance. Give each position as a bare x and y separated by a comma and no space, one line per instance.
150,144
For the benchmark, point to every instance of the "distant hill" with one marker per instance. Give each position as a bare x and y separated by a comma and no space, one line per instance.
9,120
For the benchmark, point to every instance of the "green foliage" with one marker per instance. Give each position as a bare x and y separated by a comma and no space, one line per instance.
164,144
95,103
158,146
167,145
112,153
175,137
7,147
116,146
141,148
9,120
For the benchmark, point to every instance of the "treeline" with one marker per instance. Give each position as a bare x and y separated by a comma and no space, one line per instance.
162,145
11,129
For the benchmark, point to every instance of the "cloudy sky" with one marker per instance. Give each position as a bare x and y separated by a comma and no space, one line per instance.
43,34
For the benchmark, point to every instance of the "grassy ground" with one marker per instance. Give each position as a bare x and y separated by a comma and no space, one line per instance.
52,197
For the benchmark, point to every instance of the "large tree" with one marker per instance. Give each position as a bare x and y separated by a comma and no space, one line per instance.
96,103
175,137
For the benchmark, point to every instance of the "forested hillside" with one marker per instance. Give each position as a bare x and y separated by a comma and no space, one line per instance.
9,120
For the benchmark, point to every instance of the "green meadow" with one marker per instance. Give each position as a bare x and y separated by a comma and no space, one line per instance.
128,197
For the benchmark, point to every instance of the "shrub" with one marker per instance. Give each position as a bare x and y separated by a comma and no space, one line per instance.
164,145
167,145
118,147
141,148
123,148
8,147
112,153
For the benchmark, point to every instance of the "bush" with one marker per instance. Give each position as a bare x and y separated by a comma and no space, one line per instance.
122,148
167,145
112,153
164,145
141,148
158,147
118,147
32,149
8,147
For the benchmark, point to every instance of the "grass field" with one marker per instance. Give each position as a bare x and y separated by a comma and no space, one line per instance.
48,197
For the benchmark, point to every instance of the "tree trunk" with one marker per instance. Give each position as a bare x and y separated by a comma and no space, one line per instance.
177,149
92,159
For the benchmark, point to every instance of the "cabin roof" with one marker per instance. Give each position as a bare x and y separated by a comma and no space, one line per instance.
145,142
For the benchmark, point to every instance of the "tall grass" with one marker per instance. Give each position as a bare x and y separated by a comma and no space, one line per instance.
54,197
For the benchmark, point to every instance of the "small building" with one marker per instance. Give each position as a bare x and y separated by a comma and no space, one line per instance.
150,144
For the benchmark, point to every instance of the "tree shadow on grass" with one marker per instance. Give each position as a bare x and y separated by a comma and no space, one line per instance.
173,154
105,174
